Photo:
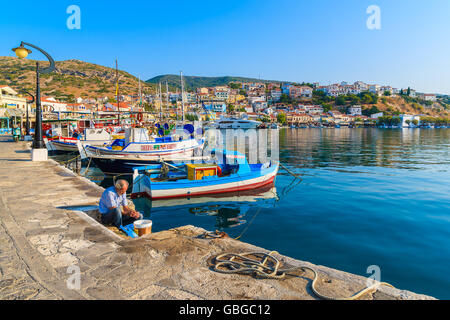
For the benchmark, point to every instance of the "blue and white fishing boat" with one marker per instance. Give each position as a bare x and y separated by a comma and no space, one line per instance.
233,174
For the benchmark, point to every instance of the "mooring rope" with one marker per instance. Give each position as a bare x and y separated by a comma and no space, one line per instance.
290,172
269,267
66,162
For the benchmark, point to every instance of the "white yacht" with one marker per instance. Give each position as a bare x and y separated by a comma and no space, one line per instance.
235,123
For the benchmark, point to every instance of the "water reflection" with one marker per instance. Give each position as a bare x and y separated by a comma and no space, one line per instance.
334,148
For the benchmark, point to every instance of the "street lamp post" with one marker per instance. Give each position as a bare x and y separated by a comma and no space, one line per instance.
39,151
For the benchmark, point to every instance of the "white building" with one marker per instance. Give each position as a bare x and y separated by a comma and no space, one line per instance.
50,104
355,110
276,94
222,92
411,118
10,98
376,115
313,109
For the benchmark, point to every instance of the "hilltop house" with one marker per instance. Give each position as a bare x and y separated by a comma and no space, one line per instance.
355,110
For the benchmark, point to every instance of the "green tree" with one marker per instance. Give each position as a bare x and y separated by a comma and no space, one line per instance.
340,101
281,118
285,99
326,107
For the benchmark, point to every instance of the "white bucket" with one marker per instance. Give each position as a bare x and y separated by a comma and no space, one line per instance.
142,227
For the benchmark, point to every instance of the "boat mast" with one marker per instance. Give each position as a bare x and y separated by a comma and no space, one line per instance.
117,92
167,96
182,96
160,103
140,92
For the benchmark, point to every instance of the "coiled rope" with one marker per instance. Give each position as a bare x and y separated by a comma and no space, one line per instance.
270,267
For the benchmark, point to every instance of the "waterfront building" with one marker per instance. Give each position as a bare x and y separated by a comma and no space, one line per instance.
411,118
10,98
293,118
376,115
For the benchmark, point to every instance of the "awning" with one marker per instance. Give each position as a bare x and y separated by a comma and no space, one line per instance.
13,113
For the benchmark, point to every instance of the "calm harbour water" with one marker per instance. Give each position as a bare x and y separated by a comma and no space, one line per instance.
368,197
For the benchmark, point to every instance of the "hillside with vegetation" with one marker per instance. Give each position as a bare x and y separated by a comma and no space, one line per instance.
71,79
389,105
191,83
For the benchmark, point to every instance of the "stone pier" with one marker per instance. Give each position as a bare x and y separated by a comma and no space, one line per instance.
42,248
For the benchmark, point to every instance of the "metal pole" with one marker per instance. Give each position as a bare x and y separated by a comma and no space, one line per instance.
182,97
38,142
117,89
160,103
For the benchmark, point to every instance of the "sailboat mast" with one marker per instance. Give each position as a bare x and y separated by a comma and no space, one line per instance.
167,94
182,96
140,92
117,91
160,103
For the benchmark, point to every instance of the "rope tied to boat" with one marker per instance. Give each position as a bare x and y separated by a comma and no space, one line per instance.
68,161
290,172
266,265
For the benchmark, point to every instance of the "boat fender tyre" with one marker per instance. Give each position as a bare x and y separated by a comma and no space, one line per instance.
219,171
140,117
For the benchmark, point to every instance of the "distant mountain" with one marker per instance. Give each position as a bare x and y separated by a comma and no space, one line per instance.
194,82
71,79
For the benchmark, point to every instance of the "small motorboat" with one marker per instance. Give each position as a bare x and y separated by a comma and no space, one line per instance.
233,174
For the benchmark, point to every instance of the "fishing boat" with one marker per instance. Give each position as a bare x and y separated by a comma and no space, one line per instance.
137,142
233,174
63,134
99,137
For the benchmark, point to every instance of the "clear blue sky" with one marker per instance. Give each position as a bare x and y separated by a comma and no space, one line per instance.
315,41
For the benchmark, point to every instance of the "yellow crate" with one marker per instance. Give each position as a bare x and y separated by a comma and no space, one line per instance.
196,171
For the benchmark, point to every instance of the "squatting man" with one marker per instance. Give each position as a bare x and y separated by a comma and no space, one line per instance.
111,203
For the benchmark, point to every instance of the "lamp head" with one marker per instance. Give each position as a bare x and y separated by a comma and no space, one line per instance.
21,52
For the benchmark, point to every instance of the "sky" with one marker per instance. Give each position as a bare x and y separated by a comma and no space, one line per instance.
323,41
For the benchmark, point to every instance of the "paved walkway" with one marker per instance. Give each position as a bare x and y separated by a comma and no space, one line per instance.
41,246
